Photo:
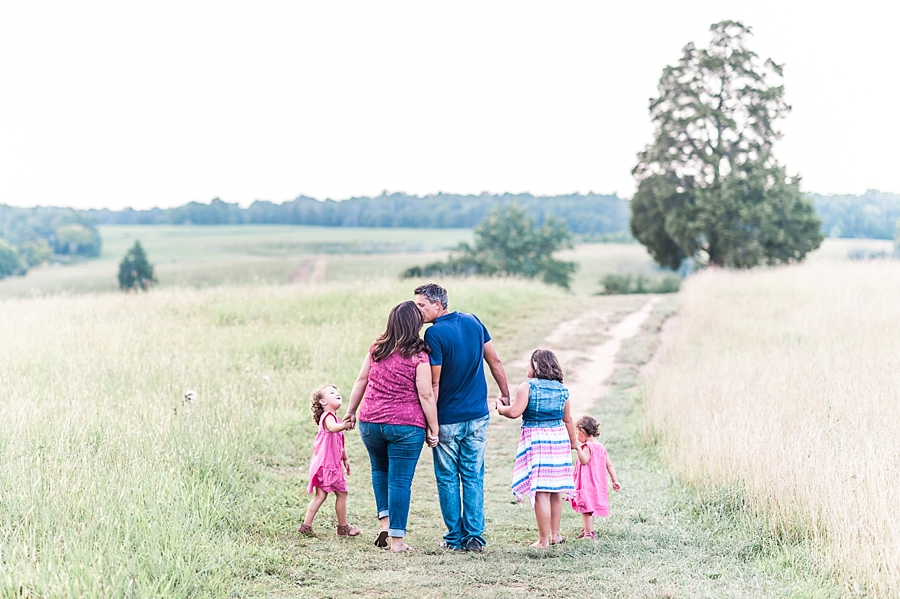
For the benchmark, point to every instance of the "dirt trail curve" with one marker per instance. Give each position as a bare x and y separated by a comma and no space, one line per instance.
311,270
586,368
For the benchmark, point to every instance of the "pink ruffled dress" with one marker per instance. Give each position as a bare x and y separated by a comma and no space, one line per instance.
591,491
325,471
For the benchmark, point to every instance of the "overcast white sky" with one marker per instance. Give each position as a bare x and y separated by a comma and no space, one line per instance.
119,103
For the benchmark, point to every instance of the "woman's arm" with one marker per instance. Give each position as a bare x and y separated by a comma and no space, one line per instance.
570,427
359,389
428,402
518,405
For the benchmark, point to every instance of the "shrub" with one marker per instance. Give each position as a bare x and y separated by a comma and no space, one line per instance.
616,284
9,260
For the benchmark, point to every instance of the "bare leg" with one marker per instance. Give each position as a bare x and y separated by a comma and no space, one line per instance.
314,506
542,515
384,523
555,516
587,522
340,507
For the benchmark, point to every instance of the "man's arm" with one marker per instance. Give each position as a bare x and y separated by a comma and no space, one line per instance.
435,379
496,366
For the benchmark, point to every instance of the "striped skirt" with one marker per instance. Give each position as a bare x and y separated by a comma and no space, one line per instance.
543,462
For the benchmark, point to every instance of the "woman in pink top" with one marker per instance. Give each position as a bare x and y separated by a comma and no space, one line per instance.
398,414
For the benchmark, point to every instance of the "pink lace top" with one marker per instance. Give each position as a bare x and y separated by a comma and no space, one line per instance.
391,396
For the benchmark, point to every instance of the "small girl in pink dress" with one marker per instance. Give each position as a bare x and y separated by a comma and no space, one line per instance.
325,473
591,494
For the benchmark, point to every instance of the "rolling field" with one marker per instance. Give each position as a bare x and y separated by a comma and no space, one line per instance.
779,395
112,486
187,256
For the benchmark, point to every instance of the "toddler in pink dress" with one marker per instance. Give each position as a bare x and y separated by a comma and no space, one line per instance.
591,493
325,472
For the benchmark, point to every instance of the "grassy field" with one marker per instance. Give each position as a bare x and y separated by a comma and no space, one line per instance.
186,256
111,485
779,393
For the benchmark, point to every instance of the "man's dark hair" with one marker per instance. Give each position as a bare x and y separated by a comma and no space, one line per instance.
434,293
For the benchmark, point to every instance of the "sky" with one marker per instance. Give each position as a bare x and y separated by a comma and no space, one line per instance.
139,104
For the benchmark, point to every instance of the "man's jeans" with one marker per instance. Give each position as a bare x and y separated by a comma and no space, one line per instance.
459,462
394,451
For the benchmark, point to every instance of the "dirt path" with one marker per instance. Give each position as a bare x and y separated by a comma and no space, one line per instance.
310,270
587,367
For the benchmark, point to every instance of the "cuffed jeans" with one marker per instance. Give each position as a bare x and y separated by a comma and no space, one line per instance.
459,463
394,451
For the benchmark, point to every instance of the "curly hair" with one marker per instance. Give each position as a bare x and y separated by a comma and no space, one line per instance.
546,366
315,402
589,426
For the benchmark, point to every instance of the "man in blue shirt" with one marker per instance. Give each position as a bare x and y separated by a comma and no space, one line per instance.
460,345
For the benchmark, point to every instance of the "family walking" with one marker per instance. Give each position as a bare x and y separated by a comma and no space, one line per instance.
412,392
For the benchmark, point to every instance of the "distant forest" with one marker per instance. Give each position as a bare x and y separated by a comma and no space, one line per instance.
588,215
66,231
873,215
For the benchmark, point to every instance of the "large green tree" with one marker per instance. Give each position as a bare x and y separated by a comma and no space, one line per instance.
709,187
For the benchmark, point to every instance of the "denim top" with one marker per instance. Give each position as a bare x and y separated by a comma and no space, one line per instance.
546,403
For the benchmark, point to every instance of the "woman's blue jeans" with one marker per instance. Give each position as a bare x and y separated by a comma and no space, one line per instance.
394,451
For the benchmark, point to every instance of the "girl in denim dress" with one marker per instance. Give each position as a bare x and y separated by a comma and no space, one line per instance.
543,467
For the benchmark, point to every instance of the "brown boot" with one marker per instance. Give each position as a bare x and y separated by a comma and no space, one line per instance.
346,530
306,530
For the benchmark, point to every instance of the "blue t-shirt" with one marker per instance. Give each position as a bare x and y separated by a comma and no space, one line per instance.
457,346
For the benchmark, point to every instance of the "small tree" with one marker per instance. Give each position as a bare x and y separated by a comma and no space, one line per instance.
508,242
709,187
135,272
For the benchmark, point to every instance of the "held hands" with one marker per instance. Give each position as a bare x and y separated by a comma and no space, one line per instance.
431,438
350,420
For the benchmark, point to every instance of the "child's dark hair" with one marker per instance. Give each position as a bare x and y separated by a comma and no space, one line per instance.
589,426
546,366
315,402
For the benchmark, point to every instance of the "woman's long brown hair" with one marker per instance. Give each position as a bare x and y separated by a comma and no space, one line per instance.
401,334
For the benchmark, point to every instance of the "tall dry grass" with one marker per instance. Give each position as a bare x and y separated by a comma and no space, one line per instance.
784,385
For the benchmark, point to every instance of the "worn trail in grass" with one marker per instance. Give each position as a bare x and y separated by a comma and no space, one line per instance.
662,539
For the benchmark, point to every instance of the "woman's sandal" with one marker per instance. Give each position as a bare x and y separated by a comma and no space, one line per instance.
306,530
381,539
404,550
345,530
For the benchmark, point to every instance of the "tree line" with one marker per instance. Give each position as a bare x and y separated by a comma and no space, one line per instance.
585,215
32,236
873,215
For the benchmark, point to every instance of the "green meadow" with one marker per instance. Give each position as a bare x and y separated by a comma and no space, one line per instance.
113,485
195,256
